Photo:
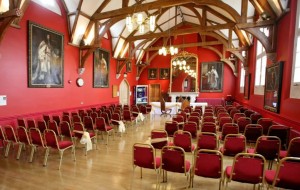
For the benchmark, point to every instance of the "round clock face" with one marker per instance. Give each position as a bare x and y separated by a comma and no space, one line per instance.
80,82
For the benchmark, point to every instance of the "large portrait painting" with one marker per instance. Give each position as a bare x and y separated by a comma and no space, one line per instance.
273,87
101,68
45,57
212,77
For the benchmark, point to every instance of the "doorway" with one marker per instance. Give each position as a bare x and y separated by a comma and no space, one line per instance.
124,93
154,93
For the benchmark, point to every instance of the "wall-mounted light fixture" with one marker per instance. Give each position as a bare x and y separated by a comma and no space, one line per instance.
125,75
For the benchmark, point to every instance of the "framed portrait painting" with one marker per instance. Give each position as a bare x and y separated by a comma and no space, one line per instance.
101,69
164,73
152,73
212,77
45,57
128,67
273,87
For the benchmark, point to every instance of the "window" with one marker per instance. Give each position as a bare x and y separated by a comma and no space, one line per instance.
295,84
242,80
261,63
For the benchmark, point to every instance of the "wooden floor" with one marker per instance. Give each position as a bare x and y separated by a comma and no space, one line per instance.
109,167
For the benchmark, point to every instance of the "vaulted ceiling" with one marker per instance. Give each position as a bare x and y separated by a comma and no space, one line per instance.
232,23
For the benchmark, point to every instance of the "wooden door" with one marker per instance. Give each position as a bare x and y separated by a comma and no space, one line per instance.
154,93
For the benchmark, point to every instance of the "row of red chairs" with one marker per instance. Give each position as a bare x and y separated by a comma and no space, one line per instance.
246,167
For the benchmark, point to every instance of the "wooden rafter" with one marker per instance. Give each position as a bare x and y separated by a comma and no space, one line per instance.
182,32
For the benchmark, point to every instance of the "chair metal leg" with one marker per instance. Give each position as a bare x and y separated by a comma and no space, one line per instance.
46,156
7,149
61,152
33,148
20,150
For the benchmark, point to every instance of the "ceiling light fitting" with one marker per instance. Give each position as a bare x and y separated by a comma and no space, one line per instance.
138,21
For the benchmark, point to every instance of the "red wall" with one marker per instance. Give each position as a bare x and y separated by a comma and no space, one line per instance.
289,109
204,55
24,101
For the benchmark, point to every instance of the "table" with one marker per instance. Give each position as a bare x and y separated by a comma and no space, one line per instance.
174,106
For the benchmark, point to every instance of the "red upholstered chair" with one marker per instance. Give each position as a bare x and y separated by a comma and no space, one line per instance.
229,128
269,147
93,115
255,117
21,122
281,131
88,124
128,117
207,141
171,127
144,110
67,119
224,120
79,132
208,164
173,160
179,119
248,113
144,157
195,119
135,110
209,127
233,111
196,114
89,111
233,144
115,119
46,118
42,126
67,132
31,123
222,114
3,140
103,128
184,115
183,139
236,116
246,168
11,138
266,123
252,132
76,118
36,141
159,138
242,123
83,114
105,117
191,127
293,149
208,114
53,126
56,118
23,140
61,146
209,119
287,174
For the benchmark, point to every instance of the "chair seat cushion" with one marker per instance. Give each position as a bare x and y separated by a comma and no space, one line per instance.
187,165
108,128
269,176
282,154
64,144
92,135
158,162
250,150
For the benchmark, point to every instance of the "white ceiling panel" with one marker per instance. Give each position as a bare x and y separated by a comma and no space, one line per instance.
191,19
112,5
50,5
186,11
214,18
72,5
89,7
223,12
117,28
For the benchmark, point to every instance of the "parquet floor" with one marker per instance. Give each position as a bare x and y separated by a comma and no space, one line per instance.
109,167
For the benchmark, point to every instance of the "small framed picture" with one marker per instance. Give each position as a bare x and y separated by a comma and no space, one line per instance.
164,73
152,73
128,66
